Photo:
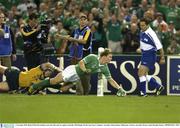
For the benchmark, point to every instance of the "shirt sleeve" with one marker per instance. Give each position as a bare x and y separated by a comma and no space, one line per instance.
87,34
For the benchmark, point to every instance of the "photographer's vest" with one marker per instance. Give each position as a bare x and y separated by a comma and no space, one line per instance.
6,42
76,50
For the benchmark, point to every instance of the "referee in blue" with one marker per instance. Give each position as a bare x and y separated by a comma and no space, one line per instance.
149,45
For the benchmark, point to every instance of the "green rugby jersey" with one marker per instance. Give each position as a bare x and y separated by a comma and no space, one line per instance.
92,62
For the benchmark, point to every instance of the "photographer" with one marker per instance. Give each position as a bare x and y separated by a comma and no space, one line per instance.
32,45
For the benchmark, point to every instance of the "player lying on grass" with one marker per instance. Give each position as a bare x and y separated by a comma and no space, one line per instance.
90,64
16,78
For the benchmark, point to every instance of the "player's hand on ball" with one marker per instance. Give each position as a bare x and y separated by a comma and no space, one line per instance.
121,93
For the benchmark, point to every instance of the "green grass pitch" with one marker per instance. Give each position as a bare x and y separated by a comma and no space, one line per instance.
88,109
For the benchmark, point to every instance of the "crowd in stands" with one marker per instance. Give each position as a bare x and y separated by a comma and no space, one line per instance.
111,21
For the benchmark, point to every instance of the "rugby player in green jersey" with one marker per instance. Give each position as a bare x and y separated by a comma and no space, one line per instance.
90,64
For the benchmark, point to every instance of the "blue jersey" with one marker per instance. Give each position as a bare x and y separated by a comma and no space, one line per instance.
76,49
149,40
149,44
6,42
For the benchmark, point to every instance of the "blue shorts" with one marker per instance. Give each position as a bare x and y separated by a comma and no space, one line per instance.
148,59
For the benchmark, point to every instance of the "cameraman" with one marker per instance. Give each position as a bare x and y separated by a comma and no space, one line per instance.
32,46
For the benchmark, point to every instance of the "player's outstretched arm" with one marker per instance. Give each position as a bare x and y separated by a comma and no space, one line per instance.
114,84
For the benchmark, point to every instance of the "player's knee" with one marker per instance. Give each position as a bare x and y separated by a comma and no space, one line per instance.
141,72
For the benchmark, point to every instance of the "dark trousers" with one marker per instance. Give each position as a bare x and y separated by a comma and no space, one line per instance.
83,86
32,60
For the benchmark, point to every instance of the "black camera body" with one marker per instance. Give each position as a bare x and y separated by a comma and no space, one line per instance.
47,48
44,31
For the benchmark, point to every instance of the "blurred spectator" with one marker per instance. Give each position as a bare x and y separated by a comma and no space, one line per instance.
171,27
115,37
127,17
177,36
30,9
129,6
98,38
74,19
164,37
97,16
163,2
149,16
134,19
60,44
167,37
8,3
43,12
126,25
24,5
101,21
178,3
12,17
100,11
131,39
160,22
59,11
174,48
18,36
91,19
142,8
171,12
87,5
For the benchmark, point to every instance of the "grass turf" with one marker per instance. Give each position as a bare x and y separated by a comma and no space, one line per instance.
88,109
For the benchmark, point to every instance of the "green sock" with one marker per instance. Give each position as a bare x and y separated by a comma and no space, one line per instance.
42,84
56,86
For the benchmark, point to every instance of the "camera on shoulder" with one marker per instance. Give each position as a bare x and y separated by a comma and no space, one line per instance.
48,48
